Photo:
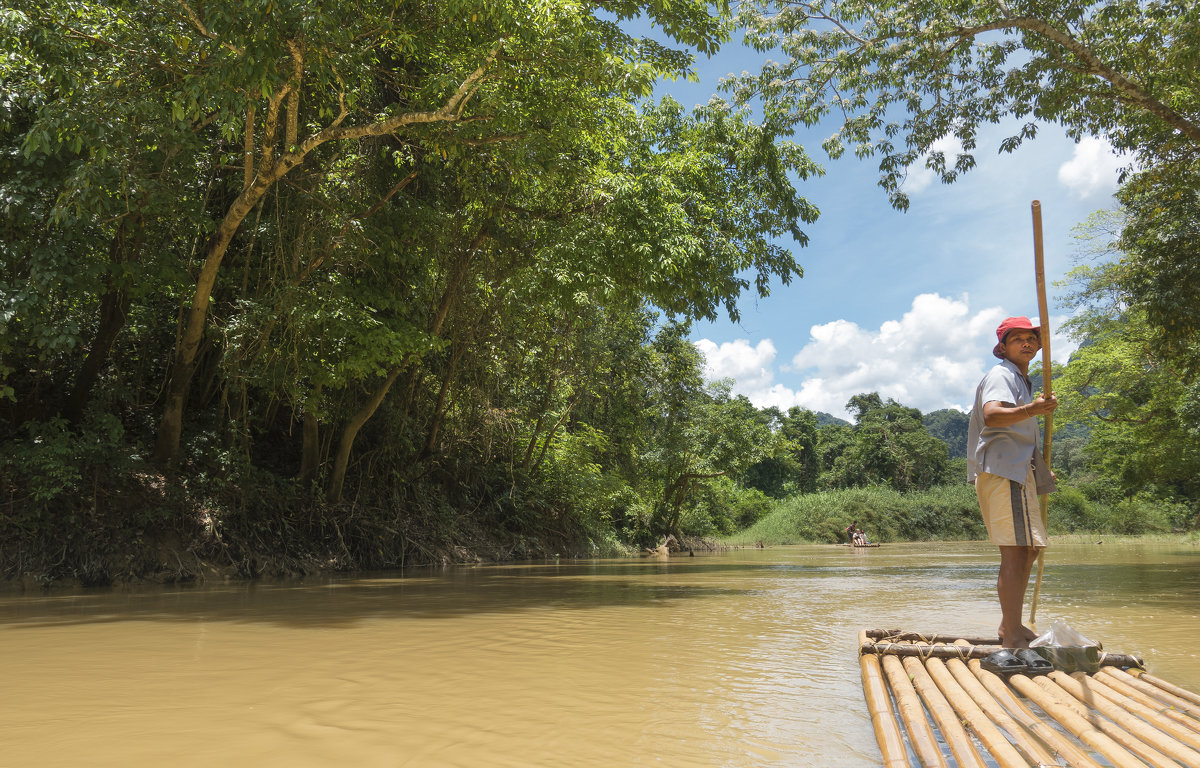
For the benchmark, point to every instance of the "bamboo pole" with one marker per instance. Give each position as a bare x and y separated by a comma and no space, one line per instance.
1130,741
992,738
1047,390
1029,746
1182,704
1077,726
1163,708
1054,739
1153,715
1142,729
896,635
1171,688
969,652
883,716
943,714
941,651
920,734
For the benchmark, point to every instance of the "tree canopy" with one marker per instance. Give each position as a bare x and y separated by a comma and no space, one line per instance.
1142,414
899,76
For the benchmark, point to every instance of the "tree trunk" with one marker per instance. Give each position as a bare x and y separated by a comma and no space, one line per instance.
439,409
342,460
677,492
310,450
114,309
543,411
170,428
553,430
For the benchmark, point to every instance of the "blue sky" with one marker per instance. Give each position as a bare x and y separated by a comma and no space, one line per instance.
904,304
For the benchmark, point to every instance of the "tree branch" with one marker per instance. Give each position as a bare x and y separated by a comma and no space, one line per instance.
293,105
1133,91
198,25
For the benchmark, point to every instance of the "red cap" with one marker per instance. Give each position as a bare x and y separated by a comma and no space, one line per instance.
1021,323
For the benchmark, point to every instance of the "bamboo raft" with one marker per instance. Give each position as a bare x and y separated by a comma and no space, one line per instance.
933,705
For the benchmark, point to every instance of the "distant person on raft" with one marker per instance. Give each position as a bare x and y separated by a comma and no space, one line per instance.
1003,461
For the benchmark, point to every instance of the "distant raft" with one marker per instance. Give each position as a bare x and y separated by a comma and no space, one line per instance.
932,703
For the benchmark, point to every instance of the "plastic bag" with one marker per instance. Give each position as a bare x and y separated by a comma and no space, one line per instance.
1070,659
1068,650
1062,635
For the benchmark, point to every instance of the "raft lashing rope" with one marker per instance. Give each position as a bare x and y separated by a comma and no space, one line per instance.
932,704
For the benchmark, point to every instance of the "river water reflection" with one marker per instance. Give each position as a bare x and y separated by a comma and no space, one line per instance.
746,658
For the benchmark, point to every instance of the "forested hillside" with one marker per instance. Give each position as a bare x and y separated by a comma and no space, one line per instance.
357,284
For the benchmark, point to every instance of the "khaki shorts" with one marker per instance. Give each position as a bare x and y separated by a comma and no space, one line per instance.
1011,511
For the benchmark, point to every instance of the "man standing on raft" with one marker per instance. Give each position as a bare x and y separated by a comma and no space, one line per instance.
1002,454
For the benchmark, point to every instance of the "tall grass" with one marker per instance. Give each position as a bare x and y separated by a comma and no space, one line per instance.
945,513
951,513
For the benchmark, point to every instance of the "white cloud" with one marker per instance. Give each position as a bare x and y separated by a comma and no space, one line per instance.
920,176
930,358
751,367
1093,169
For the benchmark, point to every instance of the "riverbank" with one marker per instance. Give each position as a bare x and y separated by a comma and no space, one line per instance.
155,528
951,513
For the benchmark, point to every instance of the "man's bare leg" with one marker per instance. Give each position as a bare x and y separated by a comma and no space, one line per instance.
1015,566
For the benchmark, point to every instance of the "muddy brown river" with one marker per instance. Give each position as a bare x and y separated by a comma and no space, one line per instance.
745,658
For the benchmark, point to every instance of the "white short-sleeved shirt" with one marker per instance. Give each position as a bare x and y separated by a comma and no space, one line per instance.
1004,451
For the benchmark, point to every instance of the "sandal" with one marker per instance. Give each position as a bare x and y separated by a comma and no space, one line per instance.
1005,662
1034,661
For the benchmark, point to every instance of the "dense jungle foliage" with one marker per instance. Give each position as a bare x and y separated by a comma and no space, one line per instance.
288,287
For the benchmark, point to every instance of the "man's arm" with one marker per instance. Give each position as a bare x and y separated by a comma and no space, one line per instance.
1001,414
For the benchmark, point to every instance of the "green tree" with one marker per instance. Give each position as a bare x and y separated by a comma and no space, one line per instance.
888,445
696,435
800,434
1141,412
1159,272
407,258
267,89
794,465
900,75
949,426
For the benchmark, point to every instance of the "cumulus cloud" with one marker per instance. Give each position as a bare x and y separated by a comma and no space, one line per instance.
751,367
919,176
930,358
1092,170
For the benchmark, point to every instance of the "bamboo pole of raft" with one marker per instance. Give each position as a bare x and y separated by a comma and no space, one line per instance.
1152,715
997,744
896,635
1163,708
943,714
971,652
1182,704
920,734
1133,742
1076,725
1171,688
883,717
1029,746
1163,742
1049,735
1048,419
